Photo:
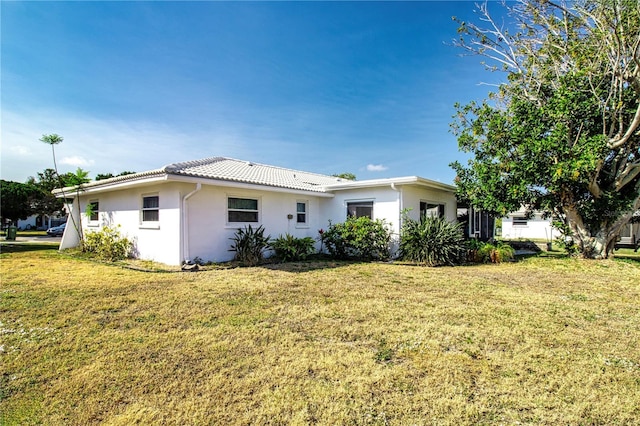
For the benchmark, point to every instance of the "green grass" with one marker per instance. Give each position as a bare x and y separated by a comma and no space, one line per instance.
541,341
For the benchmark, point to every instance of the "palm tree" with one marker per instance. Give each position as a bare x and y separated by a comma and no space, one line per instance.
78,179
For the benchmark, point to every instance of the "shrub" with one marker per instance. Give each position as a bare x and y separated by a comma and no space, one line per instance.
358,238
249,244
107,244
474,245
432,241
565,240
289,248
496,252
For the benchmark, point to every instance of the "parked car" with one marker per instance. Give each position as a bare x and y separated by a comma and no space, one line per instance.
56,231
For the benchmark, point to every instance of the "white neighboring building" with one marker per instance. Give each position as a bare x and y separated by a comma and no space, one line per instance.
40,222
192,209
516,225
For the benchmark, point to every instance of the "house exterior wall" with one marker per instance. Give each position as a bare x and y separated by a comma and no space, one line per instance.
209,232
198,225
386,204
413,195
153,241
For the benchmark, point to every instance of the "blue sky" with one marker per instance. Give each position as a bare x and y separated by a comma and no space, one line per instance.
327,87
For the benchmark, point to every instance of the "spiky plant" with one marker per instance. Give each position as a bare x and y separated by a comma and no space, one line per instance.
432,241
249,244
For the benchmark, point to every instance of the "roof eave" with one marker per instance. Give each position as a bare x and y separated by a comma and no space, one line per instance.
406,180
111,184
246,185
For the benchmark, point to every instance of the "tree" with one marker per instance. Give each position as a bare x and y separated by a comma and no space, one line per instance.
562,134
70,179
17,200
46,203
103,176
347,175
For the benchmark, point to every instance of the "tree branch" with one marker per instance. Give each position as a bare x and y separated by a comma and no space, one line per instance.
619,140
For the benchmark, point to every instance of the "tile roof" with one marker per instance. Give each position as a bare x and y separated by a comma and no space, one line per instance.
228,169
246,172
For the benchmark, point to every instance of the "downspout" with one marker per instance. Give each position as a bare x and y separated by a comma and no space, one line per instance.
401,207
399,191
185,223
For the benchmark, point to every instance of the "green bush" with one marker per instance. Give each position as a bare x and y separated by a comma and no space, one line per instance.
289,248
565,240
249,244
496,252
358,238
432,241
107,244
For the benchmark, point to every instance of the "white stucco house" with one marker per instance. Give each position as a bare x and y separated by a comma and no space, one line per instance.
191,209
517,225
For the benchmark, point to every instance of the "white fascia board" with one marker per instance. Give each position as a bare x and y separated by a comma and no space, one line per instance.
112,186
243,185
406,180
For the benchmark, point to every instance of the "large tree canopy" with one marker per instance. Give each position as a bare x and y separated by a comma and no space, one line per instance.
17,200
48,180
563,133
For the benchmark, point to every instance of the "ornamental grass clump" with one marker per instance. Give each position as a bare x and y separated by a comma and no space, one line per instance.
250,244
432,241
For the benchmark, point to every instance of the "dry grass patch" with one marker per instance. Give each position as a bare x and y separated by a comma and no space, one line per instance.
543,341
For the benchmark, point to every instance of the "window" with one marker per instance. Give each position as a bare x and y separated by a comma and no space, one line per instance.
93,210
150,208
242,210
360,208
431,209
519,221
301,212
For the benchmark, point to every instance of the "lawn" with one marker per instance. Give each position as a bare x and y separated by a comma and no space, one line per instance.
541,341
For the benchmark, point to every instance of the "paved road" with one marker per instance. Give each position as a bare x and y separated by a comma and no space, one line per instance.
34,239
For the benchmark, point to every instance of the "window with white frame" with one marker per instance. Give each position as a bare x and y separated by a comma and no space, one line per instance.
150,208
301,212
242,210
360,209
93,210
429,209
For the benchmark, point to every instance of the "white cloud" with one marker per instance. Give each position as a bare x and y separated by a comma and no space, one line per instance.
76,161
376,168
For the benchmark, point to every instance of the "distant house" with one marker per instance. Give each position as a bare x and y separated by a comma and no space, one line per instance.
41,222
630,235
518,225
191,209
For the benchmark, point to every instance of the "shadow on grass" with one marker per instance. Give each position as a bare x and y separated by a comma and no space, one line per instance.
23,248
308,265
628,256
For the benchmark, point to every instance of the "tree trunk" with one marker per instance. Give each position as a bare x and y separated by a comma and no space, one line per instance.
598,245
